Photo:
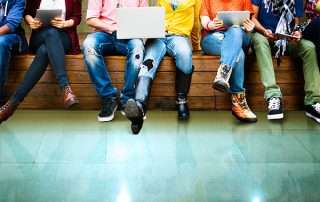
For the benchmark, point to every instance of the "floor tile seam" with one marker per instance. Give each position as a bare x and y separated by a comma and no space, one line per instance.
304,146
38,150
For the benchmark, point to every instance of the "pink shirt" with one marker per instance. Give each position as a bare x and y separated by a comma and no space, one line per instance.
105,10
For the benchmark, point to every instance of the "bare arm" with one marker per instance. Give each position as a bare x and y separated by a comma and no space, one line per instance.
4,30
98,24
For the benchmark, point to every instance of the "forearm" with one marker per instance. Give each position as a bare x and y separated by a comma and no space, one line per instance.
98,24
4,30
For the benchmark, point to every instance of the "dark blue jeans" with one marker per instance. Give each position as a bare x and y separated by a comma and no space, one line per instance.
50,46
311,33
8,43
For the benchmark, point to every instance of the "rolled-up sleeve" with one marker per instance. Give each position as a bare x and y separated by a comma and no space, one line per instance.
94,9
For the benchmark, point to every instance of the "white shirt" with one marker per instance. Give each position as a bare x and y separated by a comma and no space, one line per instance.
54,4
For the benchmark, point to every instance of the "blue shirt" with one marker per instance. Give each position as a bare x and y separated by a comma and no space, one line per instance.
270,21
13,15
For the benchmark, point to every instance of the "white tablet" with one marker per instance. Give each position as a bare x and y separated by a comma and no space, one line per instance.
233,17
46,15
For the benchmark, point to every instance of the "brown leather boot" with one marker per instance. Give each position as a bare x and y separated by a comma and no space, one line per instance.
7,110
70,98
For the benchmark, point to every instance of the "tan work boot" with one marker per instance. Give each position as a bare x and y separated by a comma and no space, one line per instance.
240,108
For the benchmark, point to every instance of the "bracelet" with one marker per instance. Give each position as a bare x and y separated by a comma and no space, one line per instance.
208,25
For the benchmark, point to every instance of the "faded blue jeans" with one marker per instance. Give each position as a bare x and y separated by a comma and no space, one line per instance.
177,46
231,45
8,43
99,44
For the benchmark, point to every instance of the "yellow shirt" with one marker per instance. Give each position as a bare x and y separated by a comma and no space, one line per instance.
184,20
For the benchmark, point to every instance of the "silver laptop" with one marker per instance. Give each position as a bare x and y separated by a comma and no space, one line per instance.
140,22
232,17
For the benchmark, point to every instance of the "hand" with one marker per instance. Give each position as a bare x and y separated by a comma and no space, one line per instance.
297,34
58,22
112,28
248,24
35,23
215,24
268,34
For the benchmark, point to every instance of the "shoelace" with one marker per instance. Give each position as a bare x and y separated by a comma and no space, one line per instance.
4,107
316,107
68,90
224,72
274,103
243,102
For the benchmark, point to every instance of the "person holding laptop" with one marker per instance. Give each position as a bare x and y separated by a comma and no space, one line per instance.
12,39
230,42
269,17
181,21
50,45
101,15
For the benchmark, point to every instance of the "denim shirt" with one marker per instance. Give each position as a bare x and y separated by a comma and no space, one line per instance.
12,16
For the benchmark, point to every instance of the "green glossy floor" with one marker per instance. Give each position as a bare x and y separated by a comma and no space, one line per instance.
70,156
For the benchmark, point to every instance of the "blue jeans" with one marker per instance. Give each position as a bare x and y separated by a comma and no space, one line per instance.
232,52
8,43
177,46
311,33
99,44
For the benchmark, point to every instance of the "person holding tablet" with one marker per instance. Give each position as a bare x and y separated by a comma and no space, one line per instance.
268,17
230,42
181,21
50,45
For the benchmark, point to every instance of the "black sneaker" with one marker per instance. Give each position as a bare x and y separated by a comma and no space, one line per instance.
108,107
313,111
275,108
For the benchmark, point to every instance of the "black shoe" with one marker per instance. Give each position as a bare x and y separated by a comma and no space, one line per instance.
313,111
275,108
108,107
134,112
182,108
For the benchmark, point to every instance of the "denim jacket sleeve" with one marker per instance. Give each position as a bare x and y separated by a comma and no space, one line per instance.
15,14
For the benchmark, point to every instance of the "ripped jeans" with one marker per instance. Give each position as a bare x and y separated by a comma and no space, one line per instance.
99,44
177,46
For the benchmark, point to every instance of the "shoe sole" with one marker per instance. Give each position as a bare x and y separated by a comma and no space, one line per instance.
248,120
222,87
131,110
313,117
108,118
275,116
72,104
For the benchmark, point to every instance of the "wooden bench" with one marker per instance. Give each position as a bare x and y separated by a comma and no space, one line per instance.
47,95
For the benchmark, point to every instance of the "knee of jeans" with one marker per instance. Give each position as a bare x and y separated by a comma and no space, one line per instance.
42,51
89,49
52,33
236,32
3,44
307,46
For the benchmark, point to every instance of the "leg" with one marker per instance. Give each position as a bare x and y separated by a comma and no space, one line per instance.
54,40
95,47
306,51
264,58
136,108
309,34
8,43
179,48
134,50
272,92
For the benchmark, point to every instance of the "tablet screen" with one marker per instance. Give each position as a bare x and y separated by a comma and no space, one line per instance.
230,18
46,15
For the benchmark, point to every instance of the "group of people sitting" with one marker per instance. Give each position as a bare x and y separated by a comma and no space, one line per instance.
183,21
